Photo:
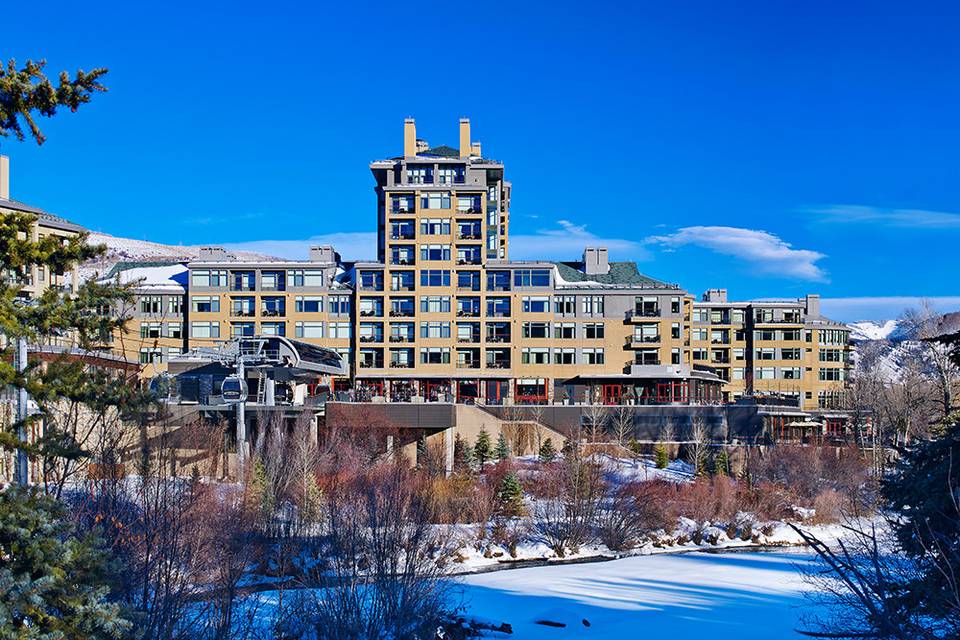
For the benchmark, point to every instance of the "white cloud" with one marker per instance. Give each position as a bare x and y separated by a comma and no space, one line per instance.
568,241
883,307
353,245
912,218
761,249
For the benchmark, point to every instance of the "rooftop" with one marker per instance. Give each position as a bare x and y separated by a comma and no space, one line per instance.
620,274
45,218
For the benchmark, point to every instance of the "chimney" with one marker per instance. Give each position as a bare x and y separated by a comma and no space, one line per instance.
715,295
4,177
323,253
813,305
409,138
214,254
595,261
465,146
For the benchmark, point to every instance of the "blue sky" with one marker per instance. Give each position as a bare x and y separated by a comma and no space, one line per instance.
769,148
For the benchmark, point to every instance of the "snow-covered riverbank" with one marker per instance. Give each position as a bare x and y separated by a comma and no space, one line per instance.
695,595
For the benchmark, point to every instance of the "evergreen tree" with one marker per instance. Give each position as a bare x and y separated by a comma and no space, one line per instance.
27,92
482,448
463,458
634,446
547,451
52,584
510,495
721,463
660,456
502,451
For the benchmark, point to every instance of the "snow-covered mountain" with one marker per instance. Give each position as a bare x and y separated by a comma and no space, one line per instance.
128,250
869,330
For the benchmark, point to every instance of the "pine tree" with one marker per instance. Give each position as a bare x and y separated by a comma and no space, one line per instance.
482,448
660,456
502,451
27,92
463,458
510,495
547,451
721,463
52,584
634,446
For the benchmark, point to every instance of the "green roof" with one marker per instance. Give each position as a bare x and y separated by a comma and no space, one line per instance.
621,273
443,151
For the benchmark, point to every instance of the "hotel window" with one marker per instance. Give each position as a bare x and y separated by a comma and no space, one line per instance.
208,278
371,280
438,200
675,304
401,204
151,355
536,329
435,355
565,331
699,354
498,307
311,329
309,304
371,307
738,354
273,306
151,304
468,280
790,354
646,333
434,252
339,305
718,316
468,332
469,204
175,305
564,305
298,278
174,330
151,329
339,330
763,315
592,356
435,278
205,304
736,316
418,174
242,329
647,357
765,373
531,278
675,330
536,304
535,355
833,336
791,335
401,281
498,280
564,356
593,330
790,373
450,175
468,306
242,307
205,329
592,305
700,334
765,334
701,315
739,373
766,354
276,280
435,304
646,306
434,329
831,355
435,226
273,328
674,356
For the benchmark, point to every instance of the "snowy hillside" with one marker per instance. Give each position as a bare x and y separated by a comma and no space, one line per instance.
126,249
869,330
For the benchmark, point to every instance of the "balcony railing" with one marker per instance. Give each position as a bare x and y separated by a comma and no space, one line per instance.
401,338
242,313
499,364
371,313
374,338
401,313
401,365
468,313
498,339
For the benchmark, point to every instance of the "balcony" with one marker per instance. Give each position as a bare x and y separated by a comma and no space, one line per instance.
371,313
401,339
642,340
401,365
498,364
468,313
469,235
645,313
402,286
464,260
402,261
242,313
371,338
371,364
401,313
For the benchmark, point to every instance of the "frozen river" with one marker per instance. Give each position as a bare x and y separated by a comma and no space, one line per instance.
696,595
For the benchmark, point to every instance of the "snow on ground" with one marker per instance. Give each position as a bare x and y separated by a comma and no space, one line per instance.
695,595
869,330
